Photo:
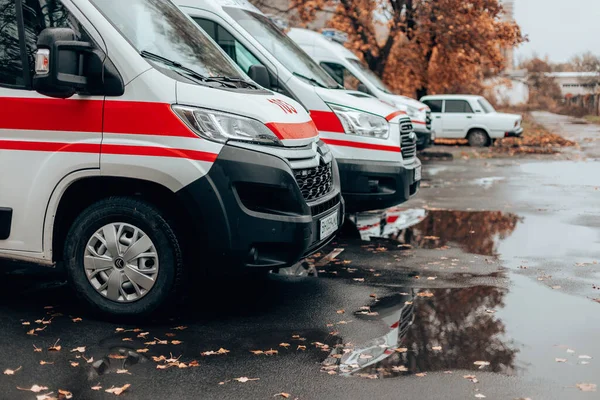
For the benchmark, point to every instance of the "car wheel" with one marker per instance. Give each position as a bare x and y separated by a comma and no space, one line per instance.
123,258
478,138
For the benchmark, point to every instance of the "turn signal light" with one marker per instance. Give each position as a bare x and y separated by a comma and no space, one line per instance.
42,61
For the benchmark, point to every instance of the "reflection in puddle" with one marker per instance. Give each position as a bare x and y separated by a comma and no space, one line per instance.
476,232
450,329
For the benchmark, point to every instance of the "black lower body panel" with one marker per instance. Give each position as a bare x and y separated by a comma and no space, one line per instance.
249,211
424,140
375,185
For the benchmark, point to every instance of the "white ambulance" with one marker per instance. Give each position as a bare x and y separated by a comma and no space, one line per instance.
374,143
134,151
349,71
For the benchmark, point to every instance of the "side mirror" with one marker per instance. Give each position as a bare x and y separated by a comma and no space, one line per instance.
64,66
260,75
363,88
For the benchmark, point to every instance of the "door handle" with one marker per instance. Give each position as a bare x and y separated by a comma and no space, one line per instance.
468,116
438,117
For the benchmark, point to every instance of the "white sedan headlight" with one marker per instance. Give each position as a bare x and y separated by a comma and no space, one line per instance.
221,127
361,123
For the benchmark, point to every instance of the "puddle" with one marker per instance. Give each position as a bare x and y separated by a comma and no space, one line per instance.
475,232
487,183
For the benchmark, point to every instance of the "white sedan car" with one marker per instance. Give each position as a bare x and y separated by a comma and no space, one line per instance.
470,117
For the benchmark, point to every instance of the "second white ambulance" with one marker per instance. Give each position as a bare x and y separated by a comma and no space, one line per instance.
374,143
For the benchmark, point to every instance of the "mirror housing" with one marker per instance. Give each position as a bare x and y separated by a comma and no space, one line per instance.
363,88
260,75
65,66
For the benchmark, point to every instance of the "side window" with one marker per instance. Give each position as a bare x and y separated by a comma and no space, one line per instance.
435,105
458,106
41,14
11,64
234,49
342,75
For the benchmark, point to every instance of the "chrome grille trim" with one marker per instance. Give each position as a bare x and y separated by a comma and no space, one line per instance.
408,143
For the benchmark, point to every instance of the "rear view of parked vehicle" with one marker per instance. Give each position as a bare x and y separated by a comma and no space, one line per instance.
472,118
374,143
138,150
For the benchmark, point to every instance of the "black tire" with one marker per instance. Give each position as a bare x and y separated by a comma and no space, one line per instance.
169,281
479,138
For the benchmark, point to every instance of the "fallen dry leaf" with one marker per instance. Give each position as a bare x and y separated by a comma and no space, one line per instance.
301,347
126,339
570,351
481,364
97,387
401,350
560,360
431,238
358,279
123,371
169,334
11,371
42,362
26,323
584,357
425,294
65,394
142,350
257,352
74,364
36,349
47,396
194,363
152,343
118,390
436,348
587,387
271,352
119,330
176,342
55,347
480,396
471,378
76,319
34,388
431,278
421,374
285,345
180,328
117,356
283,394
400,368
245,379
340,311
78,350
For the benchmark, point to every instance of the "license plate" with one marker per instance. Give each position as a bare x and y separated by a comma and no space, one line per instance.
329,225
417,174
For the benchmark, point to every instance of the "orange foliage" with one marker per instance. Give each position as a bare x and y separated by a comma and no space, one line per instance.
422,46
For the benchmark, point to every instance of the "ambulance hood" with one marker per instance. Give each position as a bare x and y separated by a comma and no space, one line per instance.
360,101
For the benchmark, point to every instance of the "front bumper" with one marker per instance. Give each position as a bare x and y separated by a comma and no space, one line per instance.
515,133
373,185
425,137
248,211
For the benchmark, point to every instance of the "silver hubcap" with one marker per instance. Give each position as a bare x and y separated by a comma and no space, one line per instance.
121,262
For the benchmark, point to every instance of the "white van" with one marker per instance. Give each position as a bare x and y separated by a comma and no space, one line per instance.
133,150
349,71
374,143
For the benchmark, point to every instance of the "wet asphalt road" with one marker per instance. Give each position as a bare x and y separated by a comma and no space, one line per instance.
496,261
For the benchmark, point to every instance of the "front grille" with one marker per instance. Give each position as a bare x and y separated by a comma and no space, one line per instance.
409,143
428,120
316,182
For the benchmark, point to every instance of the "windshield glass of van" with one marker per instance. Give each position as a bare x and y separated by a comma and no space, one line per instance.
160,28
370,75
281,47
487,107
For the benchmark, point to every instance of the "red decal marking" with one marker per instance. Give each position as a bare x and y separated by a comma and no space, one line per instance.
397,324
142,118
287,108
394,115
393,218
158,152
301,130
358,145
56,147
418,122
51,114
125,117
327,121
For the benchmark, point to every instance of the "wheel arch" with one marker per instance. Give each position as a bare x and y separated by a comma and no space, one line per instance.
82,190
478,128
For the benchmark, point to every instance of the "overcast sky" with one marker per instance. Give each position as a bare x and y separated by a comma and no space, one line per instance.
559,28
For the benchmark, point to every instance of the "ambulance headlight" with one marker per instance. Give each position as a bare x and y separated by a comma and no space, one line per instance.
222,127
361,123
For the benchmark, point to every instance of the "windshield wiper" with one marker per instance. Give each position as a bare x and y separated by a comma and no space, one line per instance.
311,80
182,68
234,80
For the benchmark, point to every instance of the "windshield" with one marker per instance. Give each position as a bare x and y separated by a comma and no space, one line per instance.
487,107
287,52
159,27
370,75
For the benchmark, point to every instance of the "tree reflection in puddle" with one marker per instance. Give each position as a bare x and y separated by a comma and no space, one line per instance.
450,330
476,232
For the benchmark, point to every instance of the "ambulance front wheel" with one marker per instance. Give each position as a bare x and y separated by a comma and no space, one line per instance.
123,258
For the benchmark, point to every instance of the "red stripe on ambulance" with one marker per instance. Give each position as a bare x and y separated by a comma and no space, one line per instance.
360,145
327,121
302,130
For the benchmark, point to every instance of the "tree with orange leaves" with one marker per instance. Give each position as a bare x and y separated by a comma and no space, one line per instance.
421,47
